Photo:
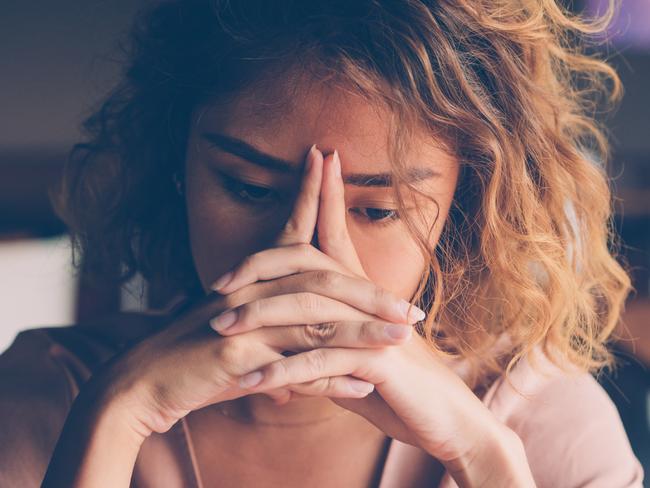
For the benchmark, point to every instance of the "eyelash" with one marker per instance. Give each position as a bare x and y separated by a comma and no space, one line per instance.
236,187
393,217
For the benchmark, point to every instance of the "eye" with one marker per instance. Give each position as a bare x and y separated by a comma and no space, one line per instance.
246,193
377,216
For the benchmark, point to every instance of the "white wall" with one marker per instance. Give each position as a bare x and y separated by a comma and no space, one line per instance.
37,285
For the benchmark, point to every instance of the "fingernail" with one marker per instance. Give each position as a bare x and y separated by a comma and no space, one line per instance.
336,161
223,321
362,386
223,281
414,315
395,331
251,379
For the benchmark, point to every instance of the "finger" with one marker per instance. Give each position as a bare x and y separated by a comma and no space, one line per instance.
281,310
357,292
333,237
315,364
274,263
299,391
290,395
280,396
334,387
300,338
300,226
261,356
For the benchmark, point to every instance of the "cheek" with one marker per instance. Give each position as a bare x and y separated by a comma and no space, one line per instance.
222,233
391,257
394,262
207,226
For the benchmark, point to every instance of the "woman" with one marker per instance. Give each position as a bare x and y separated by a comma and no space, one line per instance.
302,174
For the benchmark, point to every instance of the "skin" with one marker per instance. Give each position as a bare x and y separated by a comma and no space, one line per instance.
311,279
223,231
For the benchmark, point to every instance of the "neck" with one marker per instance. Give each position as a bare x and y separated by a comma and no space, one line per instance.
260,410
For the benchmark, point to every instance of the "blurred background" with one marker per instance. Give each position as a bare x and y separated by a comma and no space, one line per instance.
58,58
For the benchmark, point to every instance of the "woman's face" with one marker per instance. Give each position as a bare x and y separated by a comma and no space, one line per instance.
244,166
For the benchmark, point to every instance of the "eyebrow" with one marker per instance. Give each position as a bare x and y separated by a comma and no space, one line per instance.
245,151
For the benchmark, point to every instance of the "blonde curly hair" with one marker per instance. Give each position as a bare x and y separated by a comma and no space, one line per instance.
527,249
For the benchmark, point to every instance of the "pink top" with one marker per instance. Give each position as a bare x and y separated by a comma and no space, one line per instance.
571,430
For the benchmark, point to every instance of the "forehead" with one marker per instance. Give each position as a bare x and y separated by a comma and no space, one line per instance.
286,116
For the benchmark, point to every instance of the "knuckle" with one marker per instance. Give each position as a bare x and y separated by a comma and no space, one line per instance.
308,302
381,295
324,385
282,396
318,335
231,350
370,330
315,387
325,278
160,392
315,361
277,370
335,384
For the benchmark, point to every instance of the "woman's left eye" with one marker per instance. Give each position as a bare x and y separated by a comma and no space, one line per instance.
377,216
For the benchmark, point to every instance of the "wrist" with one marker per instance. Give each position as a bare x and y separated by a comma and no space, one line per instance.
98,445
498,458
104,405
109,404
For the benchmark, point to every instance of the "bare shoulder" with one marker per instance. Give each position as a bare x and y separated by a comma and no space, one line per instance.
571,430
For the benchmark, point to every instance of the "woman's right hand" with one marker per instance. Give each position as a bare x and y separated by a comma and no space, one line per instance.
187,365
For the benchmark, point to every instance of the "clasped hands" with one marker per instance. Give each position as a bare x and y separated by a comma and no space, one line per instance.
352,329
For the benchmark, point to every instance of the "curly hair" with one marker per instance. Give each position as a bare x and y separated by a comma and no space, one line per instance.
528,248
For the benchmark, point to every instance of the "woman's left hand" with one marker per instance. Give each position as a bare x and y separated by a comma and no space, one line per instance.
417,399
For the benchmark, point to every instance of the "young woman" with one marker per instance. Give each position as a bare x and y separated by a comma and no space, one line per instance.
315,180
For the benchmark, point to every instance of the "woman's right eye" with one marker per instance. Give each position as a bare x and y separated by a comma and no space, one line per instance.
246,193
